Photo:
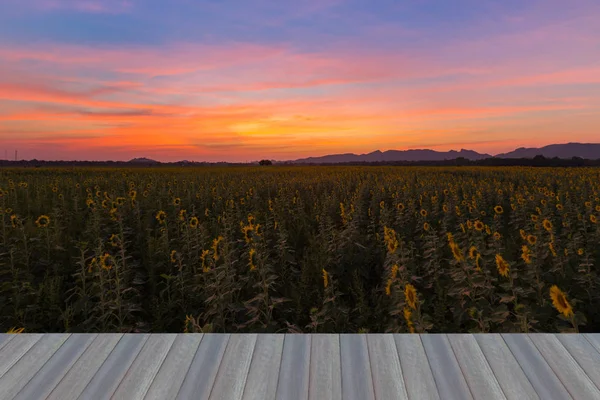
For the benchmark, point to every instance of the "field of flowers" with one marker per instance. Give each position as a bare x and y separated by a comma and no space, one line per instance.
300,249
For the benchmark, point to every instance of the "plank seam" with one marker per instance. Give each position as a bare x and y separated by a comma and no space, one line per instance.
10,337
72,366
249,367
490,365
160,366
576,362
401,371
341,365
129,368
23,355
281,362
585,336
212,387
45,362
370,368
460,366
429,364
188,371
309,362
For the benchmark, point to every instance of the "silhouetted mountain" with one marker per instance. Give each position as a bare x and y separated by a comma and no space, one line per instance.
589,151
396,155
143,160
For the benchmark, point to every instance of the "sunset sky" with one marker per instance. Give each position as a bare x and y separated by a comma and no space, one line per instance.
225,80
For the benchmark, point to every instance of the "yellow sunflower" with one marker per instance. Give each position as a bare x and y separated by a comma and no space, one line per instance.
560,302
43,221
547,225
479,225
426,226
502,265
593,219
410,294
161,217
531,239
177,201
498,209
193,222
325,279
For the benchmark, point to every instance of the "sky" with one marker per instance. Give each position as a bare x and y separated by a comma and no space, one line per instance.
224,80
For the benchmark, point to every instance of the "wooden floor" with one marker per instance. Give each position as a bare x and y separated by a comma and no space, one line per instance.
294,366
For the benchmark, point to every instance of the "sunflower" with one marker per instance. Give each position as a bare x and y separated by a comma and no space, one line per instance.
547,225
14,331
560,302
14,220
472,252
105,203
182,216
394,271
161,217
193,222
205,267
426,226
523,234
388,287
407,316
534,217
526,254
90,203
498,209
580,252
325,278
469,224
593,219
552,249
114,240
120,201
132,194
105,262
502,266
445,208
173,256
479,225
598,208
43,221
251,258
177,201
531,239
410,294
497,236
424,213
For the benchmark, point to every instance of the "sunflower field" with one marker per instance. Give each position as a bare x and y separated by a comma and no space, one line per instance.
300,249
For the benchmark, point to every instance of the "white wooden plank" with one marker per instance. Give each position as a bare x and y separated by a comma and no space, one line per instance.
201,375
325,368
388,381
542,378
294,371
138,378
5,338
418,377
42,383
17,377
357,380
449,378
508,372
114,368
82,372
170,377
572,376
584,353
233,371
475,368
264,369
13,350
594,339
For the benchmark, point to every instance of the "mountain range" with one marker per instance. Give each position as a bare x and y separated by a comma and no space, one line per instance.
569,150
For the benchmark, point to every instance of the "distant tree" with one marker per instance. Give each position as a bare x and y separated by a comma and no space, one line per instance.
266,162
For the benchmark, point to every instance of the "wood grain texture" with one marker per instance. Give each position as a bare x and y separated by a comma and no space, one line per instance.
357,380
201,375
13,350
84,369
507,370
325,368
476,370
584,353
114,368
170,377
388,381
42,383
572,376
418,377
262,378
233,371
141,373
29,364
594,339
542,378
294,371
5,338
448,376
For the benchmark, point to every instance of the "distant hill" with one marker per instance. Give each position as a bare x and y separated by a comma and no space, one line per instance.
396,155
589,151
143,160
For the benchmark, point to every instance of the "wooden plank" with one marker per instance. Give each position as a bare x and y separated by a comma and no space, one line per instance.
138,378
13,350
416,371
40,386
17,377
82,372
325,368
584,353
594,339
357,380
388,381
448,376
294,372
5,338
233,371
476,370
202,372
542,378
572,376
170,377
264,369
107,378
507,370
